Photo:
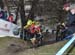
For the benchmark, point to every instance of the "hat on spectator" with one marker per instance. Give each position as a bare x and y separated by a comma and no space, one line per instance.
66,5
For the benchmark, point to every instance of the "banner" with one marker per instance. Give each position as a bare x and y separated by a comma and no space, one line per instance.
7,28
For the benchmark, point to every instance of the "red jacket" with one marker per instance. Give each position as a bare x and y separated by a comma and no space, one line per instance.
10,18
37,29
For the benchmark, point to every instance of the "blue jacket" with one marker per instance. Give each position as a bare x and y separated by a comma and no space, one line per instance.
71,18
3,15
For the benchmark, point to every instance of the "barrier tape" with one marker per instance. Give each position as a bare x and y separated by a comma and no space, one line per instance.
66,46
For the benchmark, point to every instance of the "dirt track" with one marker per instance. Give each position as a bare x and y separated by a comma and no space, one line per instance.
13,46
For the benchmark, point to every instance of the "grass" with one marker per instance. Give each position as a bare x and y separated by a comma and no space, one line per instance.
50,49
72,52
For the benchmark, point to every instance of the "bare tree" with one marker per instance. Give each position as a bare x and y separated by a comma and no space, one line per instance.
22,12
32,11
1,4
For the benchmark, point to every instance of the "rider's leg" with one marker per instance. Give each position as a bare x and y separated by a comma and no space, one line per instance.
33,39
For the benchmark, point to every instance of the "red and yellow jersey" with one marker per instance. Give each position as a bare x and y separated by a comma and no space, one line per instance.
37,29
32,28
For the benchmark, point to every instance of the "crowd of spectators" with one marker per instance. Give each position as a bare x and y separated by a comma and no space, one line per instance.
5,16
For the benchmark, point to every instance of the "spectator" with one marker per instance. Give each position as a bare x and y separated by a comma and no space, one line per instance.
10,18
2,14
70,8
